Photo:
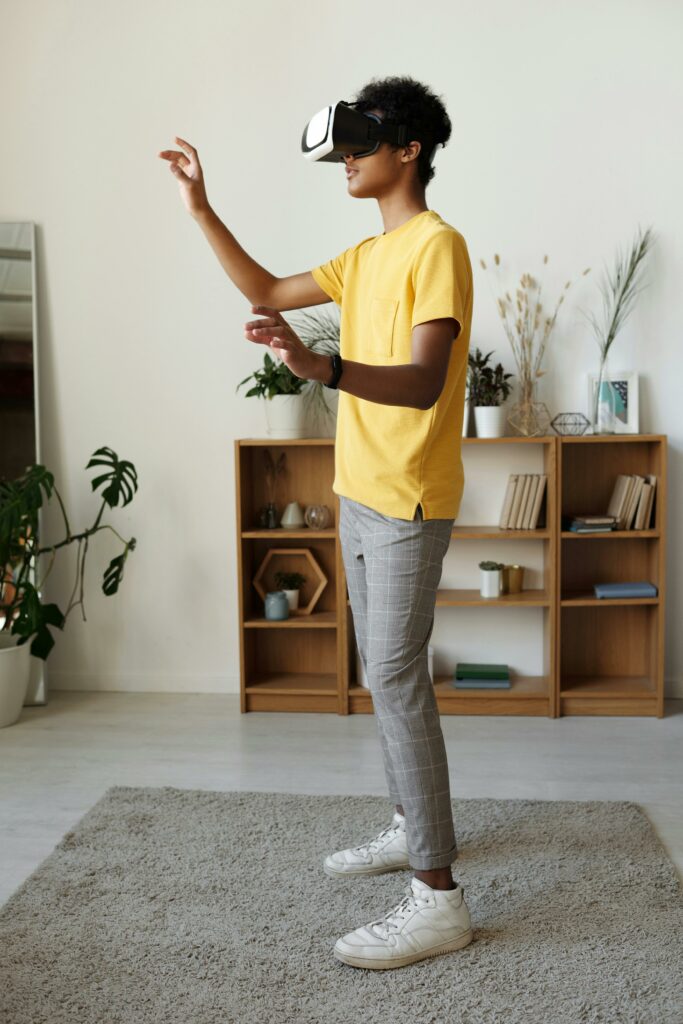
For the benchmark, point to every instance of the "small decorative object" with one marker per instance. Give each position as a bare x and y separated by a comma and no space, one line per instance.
290,557
277,605
293,516
285,410
522,322
289,583
263,517
615,408
488,389
570,423
273,471
318,517
515,578
320,331
490,578
618,293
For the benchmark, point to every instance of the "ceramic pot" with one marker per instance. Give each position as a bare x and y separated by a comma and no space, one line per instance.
15,673
489,582
286,416
490,420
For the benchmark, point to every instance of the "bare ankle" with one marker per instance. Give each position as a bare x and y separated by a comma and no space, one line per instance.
438,878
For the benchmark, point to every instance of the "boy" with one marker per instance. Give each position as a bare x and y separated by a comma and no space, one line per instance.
406,309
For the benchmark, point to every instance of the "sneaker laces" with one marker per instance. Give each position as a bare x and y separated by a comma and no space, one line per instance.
394,918
374,844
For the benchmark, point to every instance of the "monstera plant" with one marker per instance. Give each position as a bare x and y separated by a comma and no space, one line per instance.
20,500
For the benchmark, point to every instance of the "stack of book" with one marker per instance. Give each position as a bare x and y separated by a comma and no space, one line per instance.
640,588
589,524
630,507
478,676
522,501
632,501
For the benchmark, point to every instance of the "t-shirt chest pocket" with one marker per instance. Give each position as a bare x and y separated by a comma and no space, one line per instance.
382,326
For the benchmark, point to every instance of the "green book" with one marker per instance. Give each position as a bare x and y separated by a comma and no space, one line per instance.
478,670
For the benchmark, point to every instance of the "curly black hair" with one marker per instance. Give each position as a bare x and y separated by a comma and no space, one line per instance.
402,100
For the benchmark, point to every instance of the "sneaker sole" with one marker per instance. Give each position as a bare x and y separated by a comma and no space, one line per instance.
380,965
381,870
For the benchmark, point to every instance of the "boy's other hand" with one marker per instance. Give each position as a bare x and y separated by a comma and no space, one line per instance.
188,172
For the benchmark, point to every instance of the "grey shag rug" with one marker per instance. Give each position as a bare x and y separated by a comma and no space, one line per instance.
180,906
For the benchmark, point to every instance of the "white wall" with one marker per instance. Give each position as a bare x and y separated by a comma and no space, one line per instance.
565,138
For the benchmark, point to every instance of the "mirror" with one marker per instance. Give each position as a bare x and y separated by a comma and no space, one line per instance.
19,422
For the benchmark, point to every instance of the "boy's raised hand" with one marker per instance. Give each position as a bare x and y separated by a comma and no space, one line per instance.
188,171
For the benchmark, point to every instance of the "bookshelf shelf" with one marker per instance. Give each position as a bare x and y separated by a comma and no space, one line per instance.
581,600
639,687
606,662
496,533
316,620
611,535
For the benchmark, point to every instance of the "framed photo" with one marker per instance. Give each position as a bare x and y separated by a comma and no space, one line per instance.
625,387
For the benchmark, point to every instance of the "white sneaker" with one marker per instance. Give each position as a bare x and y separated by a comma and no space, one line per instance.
387,852
425,923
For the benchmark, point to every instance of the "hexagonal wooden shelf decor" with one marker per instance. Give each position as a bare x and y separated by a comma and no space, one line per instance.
290,556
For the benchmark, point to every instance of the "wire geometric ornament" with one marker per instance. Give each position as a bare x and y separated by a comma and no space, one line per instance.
570,423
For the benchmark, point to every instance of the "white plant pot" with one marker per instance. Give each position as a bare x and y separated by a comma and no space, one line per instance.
490,420
15,672
363,679
286,416
293,598
489,582
466,418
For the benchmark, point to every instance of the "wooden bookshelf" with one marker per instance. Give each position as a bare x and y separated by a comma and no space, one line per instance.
308,663
610,657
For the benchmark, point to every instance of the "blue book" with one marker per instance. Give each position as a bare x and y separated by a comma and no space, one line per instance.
481,684
640,588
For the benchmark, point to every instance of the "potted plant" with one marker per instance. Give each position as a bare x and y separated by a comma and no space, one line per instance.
290,582
489,585
488,388
291,400
25,616
285,412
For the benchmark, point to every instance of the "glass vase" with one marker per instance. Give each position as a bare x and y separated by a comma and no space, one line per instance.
604,411
529,416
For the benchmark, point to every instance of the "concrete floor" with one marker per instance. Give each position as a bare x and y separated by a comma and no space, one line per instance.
58,760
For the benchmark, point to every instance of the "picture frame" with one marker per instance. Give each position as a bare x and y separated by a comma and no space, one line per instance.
626,386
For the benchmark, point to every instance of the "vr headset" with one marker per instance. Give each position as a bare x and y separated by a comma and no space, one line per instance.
339,130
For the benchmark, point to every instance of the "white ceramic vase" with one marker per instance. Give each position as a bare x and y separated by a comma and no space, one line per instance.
286,416
489,582
293,598
15,672
490,420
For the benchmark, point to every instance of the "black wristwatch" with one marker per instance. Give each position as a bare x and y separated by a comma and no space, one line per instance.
336,371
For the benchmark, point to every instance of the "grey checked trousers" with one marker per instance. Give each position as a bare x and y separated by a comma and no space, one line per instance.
393,567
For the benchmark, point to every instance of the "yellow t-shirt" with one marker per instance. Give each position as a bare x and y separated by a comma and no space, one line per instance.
392,457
